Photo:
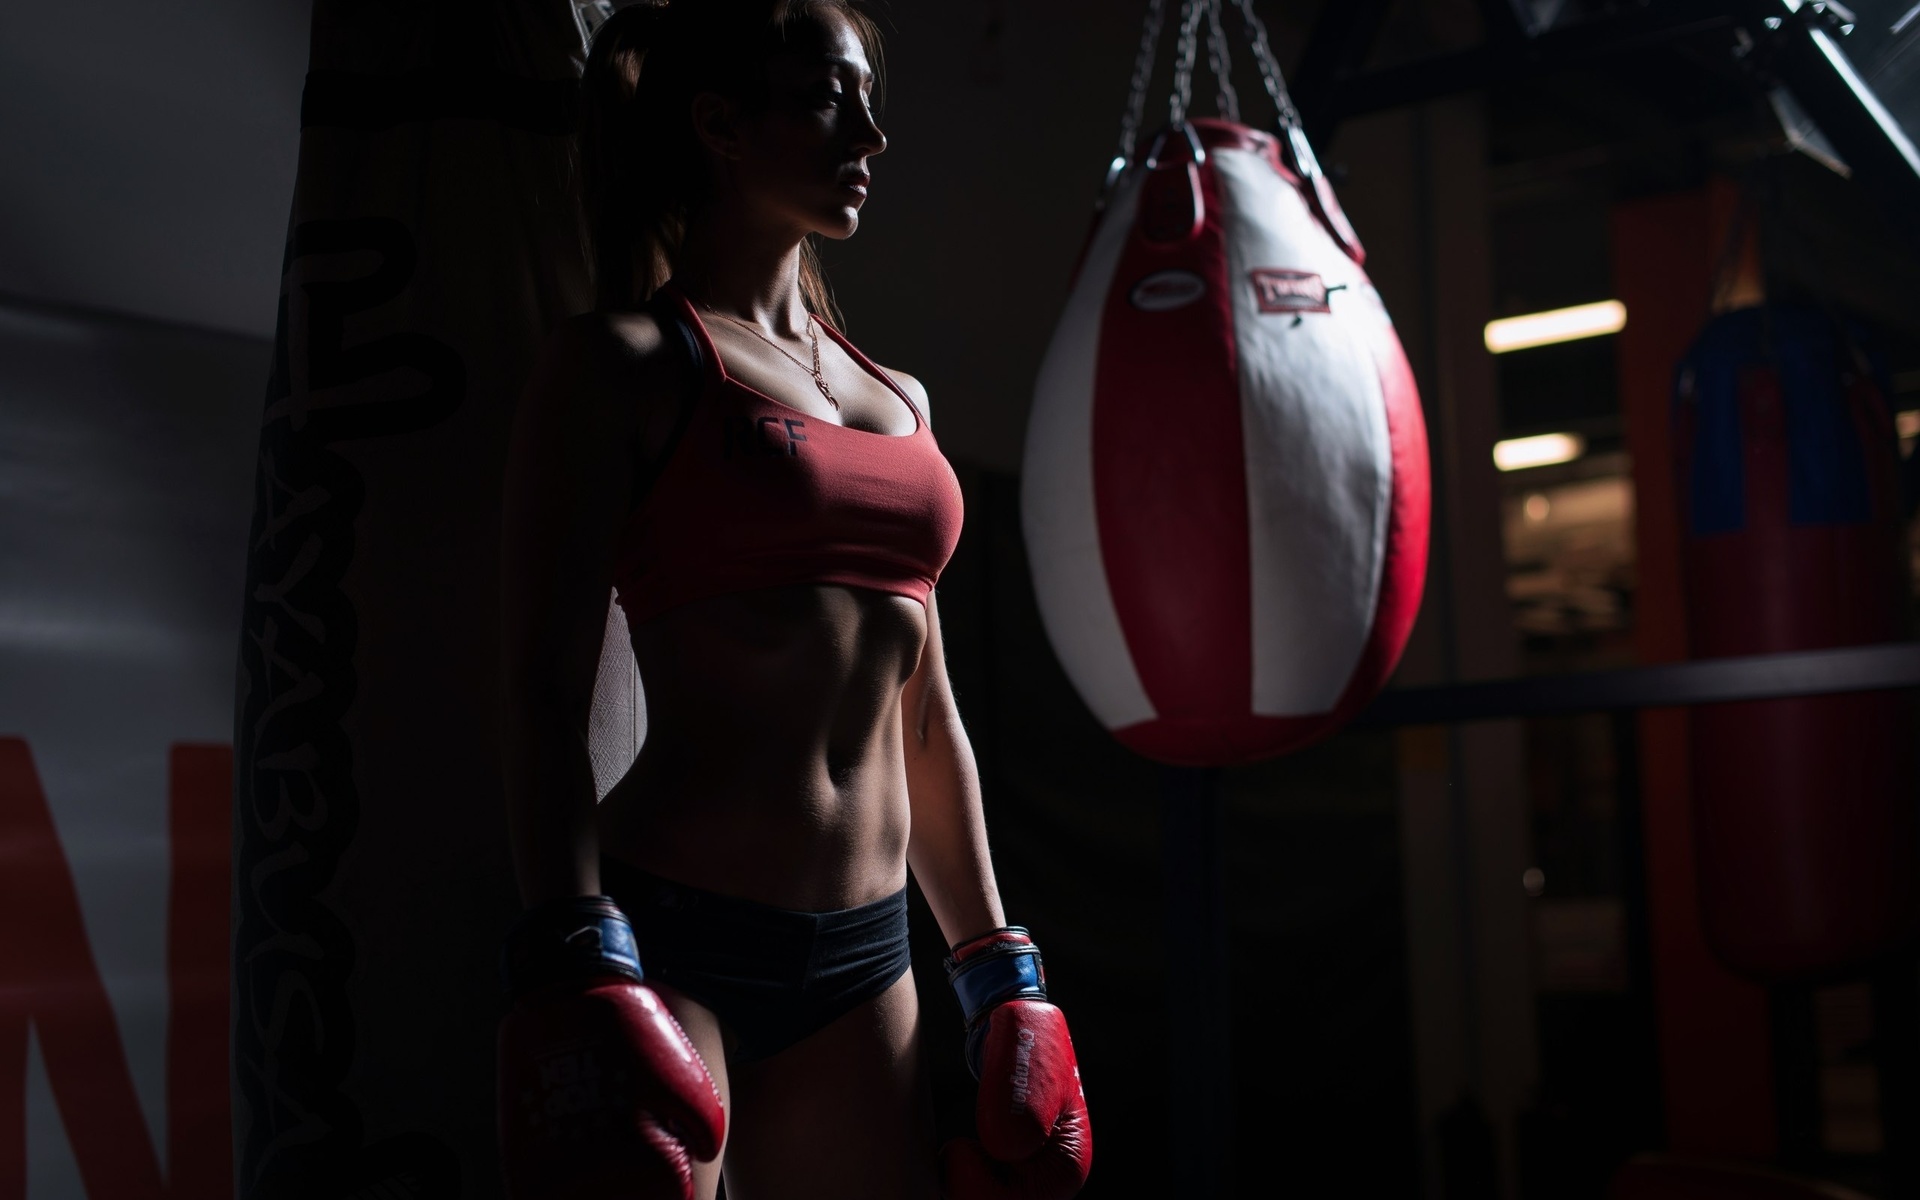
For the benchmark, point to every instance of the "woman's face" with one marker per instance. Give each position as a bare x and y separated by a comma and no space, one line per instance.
803,157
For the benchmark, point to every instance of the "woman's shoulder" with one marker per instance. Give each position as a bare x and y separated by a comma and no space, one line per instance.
915,390
617,354
615,343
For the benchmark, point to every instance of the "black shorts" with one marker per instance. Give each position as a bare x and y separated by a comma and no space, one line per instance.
773,976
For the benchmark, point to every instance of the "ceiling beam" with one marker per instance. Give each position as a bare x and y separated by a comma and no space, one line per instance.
1508,22
1806,52
1487,64
1343,34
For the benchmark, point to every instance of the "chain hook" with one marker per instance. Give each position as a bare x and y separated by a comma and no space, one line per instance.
1219,59
1136,96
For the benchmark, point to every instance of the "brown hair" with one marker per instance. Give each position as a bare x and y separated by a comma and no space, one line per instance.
640,169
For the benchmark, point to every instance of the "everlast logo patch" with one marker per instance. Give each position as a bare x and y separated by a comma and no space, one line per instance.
1282,291
759,437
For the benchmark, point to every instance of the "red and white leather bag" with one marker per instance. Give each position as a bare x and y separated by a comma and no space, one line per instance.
1225,491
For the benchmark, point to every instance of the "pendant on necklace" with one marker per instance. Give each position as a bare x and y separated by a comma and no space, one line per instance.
813,339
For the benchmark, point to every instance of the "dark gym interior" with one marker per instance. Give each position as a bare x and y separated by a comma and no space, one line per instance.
1470,945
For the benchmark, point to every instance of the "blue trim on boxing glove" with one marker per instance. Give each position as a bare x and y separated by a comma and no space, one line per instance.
997,976
574,939
991,977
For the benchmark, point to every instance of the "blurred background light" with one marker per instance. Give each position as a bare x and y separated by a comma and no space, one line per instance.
1540,450
1556,325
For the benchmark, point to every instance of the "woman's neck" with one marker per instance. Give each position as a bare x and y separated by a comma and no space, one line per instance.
744,270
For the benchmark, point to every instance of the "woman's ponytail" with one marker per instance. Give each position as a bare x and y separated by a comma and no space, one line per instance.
610,153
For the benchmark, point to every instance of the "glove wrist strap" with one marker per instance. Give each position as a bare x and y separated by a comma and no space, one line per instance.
994,968
578,938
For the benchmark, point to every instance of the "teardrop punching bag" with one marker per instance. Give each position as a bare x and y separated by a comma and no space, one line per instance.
431,247
1804,808
1225,492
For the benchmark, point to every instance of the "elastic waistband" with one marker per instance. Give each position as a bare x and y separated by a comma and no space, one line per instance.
635,888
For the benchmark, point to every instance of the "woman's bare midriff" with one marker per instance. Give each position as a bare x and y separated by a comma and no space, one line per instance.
772,768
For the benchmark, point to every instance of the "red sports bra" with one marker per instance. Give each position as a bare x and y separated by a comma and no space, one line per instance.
756,494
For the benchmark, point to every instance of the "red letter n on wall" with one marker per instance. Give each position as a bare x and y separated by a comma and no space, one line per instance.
49,984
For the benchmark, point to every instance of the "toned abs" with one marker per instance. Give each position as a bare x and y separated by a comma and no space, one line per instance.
772,763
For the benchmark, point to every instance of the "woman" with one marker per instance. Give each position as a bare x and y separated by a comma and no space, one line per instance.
773,511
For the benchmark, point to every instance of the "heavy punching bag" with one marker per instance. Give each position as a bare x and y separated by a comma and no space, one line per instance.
430,248
1804,808
1225,492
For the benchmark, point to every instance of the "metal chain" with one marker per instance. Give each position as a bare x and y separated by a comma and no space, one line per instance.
1137,90
1186,54
1289,116
588,17
1221,62
1188,50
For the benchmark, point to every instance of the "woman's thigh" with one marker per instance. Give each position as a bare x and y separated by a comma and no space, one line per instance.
846,1114
703,1030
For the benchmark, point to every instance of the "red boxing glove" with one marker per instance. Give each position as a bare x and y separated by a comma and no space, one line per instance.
600,1092
1034,1139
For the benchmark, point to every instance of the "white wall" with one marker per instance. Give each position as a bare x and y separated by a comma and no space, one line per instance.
149,153
125,470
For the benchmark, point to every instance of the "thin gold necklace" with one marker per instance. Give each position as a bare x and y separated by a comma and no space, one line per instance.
813,337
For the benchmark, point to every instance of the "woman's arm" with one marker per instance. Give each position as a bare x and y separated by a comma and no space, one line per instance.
948,846
568,491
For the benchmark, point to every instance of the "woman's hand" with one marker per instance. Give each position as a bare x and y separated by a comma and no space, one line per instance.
601,1095
1035,1141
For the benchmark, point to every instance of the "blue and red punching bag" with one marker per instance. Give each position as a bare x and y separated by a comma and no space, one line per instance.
1805,828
